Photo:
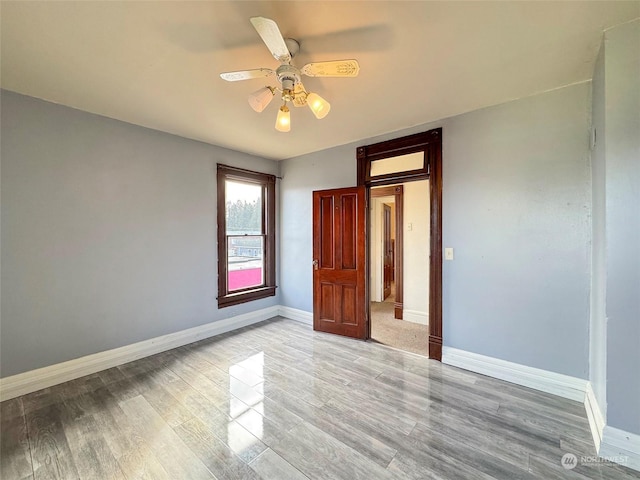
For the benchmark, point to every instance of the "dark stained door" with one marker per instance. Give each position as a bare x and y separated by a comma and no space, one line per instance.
339,259
388,252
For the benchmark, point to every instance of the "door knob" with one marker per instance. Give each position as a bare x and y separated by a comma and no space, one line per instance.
315,264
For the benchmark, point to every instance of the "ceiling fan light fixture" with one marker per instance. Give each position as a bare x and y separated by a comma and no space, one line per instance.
261,98
318,105
290,87
283,121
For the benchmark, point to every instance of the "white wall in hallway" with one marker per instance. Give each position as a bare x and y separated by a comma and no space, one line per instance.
416,251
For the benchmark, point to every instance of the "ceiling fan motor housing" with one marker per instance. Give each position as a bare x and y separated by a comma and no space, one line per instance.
288,76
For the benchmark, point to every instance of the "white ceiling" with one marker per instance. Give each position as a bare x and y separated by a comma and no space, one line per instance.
156,64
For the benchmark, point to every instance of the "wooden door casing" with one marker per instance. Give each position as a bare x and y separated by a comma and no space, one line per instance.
388,253
429,142
339,299
398,262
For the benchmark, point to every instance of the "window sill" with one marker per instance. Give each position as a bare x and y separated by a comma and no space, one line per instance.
246,296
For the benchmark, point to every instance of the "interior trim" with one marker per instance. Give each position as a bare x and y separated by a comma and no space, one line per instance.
612,444
33,380
416,316
267,183
551,382
594,415
396,191
301,316
621,447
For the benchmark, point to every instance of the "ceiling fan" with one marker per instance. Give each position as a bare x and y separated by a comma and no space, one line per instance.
291,88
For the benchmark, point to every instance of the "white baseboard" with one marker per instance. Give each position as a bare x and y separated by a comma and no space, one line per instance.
620,447
31,381
538,379
611,443
295,314
594,415
415,316
307,317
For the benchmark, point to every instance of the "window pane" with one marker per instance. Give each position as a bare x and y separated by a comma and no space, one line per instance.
245,262
401,163
243,208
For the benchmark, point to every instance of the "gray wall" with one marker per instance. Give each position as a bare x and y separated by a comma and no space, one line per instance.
516,202
108,233
622,131
598,323
516,185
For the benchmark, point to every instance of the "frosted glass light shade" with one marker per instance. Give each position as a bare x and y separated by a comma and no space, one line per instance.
260,99
318,105
283,122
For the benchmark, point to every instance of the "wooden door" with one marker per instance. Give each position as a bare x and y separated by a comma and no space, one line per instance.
339,261
388,252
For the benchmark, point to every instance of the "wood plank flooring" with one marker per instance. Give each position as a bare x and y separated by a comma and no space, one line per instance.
279,401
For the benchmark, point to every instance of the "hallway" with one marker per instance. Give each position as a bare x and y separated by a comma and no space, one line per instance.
387,330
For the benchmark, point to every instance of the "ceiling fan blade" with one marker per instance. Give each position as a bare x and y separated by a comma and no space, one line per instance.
337,68
272,38
246,74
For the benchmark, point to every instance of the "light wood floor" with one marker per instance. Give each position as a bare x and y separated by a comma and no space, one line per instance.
279,401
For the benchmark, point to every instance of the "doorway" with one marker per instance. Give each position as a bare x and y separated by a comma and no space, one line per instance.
410,159
399,230
386,259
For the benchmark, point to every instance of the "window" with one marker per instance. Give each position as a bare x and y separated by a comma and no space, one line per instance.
398,160
246,235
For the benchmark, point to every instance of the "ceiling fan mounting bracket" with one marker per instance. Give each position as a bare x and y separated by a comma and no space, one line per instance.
293,46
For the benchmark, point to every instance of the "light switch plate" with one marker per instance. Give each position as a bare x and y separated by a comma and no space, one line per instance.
448,253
